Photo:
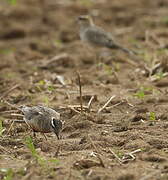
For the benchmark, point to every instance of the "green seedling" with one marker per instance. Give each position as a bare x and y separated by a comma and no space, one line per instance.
143,92
46,100
6,51
58,43
12,2
30,145
108,69
133,41
143,149
164,20
147,56
41,83
8,173
159,75
51,88
86,3
120,154
140,94
100,65
152,116
117,67
40,160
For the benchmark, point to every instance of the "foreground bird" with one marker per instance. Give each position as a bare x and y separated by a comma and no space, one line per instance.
42,119
96,36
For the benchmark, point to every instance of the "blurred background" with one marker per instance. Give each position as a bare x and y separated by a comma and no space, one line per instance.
40,52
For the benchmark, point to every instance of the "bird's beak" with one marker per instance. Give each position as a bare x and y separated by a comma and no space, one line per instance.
57,134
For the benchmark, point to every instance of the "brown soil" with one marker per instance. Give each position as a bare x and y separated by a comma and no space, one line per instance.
39,44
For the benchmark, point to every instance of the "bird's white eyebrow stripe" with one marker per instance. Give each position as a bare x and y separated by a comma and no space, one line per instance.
52,122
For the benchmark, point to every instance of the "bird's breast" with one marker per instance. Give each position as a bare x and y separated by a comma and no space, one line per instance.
39,125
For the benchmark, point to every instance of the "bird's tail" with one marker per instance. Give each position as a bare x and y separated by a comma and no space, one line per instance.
130,52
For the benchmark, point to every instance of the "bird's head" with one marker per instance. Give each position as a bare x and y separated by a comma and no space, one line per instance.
56,124
85,20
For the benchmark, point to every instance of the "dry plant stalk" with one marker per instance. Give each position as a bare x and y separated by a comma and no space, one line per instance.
96,150
18,115
90,103
106,104
80,91
10,127
115,155
4,149
115,105
8,91
9,104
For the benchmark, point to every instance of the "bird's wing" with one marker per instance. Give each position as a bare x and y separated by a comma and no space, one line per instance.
49,112
30,112
98,36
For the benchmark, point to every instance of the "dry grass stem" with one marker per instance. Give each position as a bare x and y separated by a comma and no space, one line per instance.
127,156
96,150
106,104
80,91
15,114
10,127
115,105
8,91
90,103
9,104
115,155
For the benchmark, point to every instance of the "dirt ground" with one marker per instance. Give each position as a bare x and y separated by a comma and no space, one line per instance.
40,53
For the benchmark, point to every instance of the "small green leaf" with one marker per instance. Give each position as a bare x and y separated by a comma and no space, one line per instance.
50,88
140,94
53,161
160,75
58,43
34,153
12,2
9,174
152,116
30,146
164,20
41,82
46,100
6,51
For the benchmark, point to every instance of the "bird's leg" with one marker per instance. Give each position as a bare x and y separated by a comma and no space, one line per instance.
57,136
98,58
34,134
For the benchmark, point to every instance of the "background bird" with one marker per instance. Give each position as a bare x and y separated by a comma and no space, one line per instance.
42,119
96,36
